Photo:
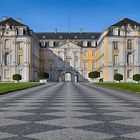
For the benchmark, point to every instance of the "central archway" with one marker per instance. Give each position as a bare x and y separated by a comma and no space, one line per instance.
68,77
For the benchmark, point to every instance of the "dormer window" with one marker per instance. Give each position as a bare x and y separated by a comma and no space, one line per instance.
42,43
85,43
20,31
116,31
93,43
51,43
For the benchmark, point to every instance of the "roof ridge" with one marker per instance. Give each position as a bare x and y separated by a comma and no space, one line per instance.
126,21
12,21
68,32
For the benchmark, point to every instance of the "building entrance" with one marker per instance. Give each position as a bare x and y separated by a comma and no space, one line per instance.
68,77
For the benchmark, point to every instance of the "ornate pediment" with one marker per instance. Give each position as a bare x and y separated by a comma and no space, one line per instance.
7,30
69,45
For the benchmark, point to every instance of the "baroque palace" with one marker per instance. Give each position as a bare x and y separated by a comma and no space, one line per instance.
69,56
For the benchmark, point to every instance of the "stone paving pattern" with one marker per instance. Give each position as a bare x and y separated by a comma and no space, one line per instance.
69,111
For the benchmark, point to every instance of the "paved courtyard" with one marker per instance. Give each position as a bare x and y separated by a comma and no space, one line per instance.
69,111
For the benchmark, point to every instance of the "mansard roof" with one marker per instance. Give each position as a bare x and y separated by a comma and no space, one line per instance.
125,22
67,35
11,22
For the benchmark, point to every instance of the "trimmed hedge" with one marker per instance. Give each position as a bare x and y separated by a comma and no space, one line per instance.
136,77
118,77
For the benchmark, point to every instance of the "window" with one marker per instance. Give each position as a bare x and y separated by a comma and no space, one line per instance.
116,31
85,43
129,73
115,59
85,53
93,53
42,43
115,45
20,31
6,73
7,59
93,65
7,44
129,58
51,43
93,43
115,71
20,46
20,59
129,44
85,65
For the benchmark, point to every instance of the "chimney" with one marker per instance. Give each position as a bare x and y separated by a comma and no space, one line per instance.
19,20
4,18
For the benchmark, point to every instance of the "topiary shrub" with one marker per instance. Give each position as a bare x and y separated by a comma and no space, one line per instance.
42,75
17,77
118,77
94,74
136,77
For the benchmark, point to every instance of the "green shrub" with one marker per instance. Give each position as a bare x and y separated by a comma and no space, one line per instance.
118,77
17,77
94,74
42,75
136,77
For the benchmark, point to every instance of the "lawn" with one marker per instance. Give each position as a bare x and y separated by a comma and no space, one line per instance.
130,87
8,87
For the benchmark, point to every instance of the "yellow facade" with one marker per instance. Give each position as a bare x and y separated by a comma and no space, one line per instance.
89,58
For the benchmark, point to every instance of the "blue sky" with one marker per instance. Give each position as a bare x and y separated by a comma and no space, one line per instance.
70,15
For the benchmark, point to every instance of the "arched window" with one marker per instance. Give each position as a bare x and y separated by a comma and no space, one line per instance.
85,43
7,58
129,44
7,44
129,58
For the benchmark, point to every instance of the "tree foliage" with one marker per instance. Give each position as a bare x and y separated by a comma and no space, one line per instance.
94,74
42,75
118,77
136,77
17,77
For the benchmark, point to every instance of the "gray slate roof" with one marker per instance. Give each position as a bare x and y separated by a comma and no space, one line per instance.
66,35
11,22
125,22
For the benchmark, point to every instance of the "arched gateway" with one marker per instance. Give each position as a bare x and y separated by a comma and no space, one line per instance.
68,77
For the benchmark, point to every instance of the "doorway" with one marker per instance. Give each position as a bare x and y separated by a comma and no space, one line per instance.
76,78
68,77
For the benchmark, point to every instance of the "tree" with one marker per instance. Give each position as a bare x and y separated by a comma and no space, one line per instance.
17,77
118,77
136,77
42,75
94,74
46,75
